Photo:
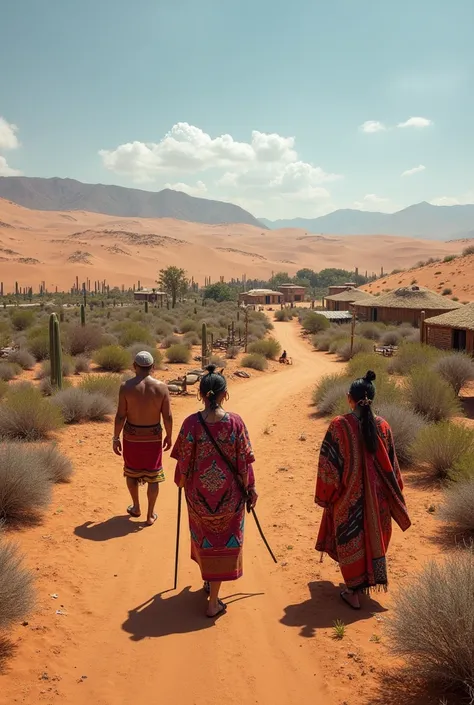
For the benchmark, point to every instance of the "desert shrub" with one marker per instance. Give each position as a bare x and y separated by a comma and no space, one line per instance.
47,389
25,414
170,340
449,258
189,326
108,385
163,328
457,369
178,353
447,292
38,343
360,345
371,331
22,319
152,349
25,487
269,348
255,361
78,405
391,337
7,371
326,383
218,361
5,334
432,624
191,339
386,392
108,339
469,250
232,352
411,355
4,386
458,507
283,315
67,365
23,358
445,448
16,586
134,333
360,363
322,341
112,358
57,466
81,364
406,426
431,396
314,322
334,400
83,339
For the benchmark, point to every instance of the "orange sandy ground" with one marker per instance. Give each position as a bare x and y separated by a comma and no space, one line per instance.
127,637
56,247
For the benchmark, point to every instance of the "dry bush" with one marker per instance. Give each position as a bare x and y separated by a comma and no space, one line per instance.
25,414
178,353
16,586
112,358
170,340
284,314
22,319
143,347
445,448
25,489
7,371
457,369
322,341
255,361
78,405
108,339
23,358
108,385
232,352
334,401
360,363
269,348
405,425
81,364
326,383
57,466
431,396
411,355
130,333
191,339
189,326
458,507
163,328
38,343
360,345
371,331
83,339
4,386
219,362
67,366
391,337
313,322
432,624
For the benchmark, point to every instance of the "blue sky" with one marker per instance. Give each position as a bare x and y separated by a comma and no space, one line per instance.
289,109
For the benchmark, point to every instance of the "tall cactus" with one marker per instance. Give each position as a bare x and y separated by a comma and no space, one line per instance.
55,352
83,315
146,306
204,350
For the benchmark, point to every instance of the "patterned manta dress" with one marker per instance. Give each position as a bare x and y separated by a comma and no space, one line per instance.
360,493
216,506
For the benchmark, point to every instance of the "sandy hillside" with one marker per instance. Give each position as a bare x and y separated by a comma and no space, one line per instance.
458,276
56,247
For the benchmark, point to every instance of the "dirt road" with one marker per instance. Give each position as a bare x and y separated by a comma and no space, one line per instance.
121,635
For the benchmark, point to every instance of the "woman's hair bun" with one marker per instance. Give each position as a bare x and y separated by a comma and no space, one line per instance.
370,376
211,369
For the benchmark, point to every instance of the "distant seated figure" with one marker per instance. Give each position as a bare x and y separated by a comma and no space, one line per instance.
283,357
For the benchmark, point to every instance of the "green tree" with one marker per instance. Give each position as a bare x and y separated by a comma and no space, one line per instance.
173,281
280,278
219,292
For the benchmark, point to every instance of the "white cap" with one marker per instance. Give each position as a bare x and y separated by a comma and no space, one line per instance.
144,359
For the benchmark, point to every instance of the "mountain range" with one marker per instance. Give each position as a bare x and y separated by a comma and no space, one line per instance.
421,220
68,194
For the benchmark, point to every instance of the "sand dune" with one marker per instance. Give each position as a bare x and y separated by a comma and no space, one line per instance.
55,247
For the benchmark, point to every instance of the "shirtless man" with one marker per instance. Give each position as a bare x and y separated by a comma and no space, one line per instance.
143,402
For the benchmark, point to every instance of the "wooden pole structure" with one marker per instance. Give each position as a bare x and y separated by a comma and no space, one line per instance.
422,327
353,322
246,328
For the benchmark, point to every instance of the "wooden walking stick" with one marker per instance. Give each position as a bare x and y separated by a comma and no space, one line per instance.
260,531
178,525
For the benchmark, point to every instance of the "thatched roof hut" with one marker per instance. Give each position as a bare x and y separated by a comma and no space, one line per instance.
453,330
404,305
344,300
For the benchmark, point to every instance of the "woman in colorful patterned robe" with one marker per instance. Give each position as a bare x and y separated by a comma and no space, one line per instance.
217,495
360,487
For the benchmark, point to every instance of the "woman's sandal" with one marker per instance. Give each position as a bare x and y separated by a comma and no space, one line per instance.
344,599
223,610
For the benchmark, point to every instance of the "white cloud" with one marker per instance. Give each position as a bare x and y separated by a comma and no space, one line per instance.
371,126
463,200
372,202
8,138
6,170
198,189
416,122
266,167
415,170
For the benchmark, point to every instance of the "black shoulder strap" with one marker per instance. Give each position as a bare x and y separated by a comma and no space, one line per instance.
230,465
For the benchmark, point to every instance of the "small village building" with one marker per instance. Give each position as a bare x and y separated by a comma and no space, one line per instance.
404,305
292,293
151,295
336,316
261,297
451,331
339,288
345,299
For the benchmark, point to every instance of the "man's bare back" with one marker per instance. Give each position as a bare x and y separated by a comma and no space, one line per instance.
147,400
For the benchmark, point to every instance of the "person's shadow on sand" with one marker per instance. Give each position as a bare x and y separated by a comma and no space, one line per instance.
113,528
324,607
182,613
